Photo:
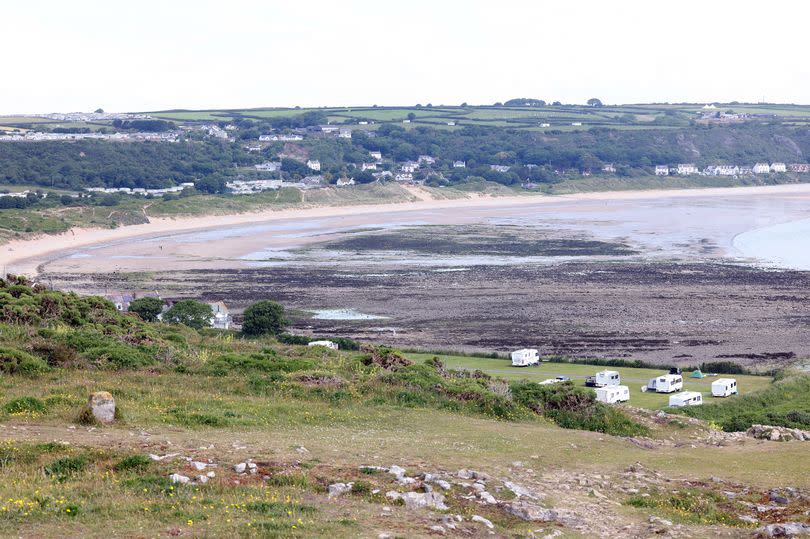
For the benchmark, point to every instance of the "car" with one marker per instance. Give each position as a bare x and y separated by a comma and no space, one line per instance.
590,381
563,378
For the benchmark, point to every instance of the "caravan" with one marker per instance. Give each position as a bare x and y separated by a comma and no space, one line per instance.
724,387
525,357
666,383
607,378
687,398
613,394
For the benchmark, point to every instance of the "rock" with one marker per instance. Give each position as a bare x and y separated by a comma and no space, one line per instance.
240,468
519,491
177,478
464,474
301,449
776,498
595,493
158,458
486,522
406,481
384,536
202,479
199,466
252,468
448,522
777,434
102,406
397,471
659,521
438,530
787,529
416,500
531,512
444,484
478,487
210,474
487,498
339,489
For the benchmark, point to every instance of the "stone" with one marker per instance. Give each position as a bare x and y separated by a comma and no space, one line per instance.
519,491
202,479
397,471
530,512
210,474
406,481
659,521
102,406
384,536
464,474
787,529
416,500
449,522
339,489
781,500
487,498
240,468
444,484
177,478
199,466
486,522
438,530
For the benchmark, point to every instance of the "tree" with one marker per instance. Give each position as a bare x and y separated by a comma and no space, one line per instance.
594,102
99,111
411,116
191,313
264,318
147,308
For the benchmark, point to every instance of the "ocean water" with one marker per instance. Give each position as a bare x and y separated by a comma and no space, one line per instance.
786,245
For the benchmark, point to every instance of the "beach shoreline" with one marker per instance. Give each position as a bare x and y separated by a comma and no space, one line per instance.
23,256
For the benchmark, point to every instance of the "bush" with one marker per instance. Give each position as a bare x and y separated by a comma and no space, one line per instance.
62,469
119,356
30,405
147,308
228,363
14,361
264,318
133,463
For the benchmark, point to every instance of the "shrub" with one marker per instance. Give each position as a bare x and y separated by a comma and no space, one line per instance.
193,314
228,363
30,405
119,356
14,361
264,318
65,467
133,463
147,308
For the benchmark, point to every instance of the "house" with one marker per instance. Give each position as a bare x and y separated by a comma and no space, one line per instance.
721,170
746,171
576,124
121,300
525,357
248,187
613,394
607,378
221,318
687,398
799,167
609,168
326,344
404,177
268,166
409,166
314,164
368,166
382,174
342,182
709,106
499,168
685,169
451,123
778,167
406,121
666,383
459,164
546,124
425,159
762,168
312,181
345,133
377,156
253,148
724,387
661,170
329,129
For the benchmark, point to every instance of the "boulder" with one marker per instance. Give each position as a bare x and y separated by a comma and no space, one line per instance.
339,489
787,529
102,406
416,500
530,512
487,498
486,522
177,478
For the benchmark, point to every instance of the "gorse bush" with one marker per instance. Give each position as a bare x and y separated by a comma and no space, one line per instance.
14,361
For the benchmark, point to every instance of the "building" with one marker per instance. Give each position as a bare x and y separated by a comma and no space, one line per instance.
345,133
248,187
404,177
661,170
746,171
721,170
459,164
799,167
451,124
425,160
576,124
268,166
377,156
329,129
221,318
409,166
314,164
499,168
762,168
253,148
778,167
546,124
609,168
685,169
283,138
325,344
343,182
368,166
312,181
121,300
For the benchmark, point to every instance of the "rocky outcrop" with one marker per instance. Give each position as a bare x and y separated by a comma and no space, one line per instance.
778,434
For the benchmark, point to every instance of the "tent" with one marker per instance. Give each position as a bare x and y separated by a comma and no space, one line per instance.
697,374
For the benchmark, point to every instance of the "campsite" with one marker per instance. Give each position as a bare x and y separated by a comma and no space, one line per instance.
634,378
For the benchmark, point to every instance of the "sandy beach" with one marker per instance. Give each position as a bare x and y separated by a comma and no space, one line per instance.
23,256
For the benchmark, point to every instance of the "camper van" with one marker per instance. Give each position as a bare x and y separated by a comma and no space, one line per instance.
666,383
525,357
613,394
327,344
607,378
724,387
687,398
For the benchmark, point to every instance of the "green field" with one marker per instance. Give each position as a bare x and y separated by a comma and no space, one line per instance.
631,377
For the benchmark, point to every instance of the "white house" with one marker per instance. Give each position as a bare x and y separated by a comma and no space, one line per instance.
613,394
426,159
666,383
609,168
268,166
546,124
327,344
499,168
345,133
576,124
762,168
685,169
661,170
377,156
607,378
724,387
687,398
406,121
799,167
342,182
368,166
525,357
221,318
404,177
778,167
314,164
329,129
459,164
409,166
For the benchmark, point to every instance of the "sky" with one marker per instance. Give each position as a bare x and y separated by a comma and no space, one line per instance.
79,55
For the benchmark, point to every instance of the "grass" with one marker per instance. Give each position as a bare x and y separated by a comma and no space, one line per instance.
631,377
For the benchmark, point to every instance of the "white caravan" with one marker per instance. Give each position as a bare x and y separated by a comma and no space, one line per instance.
613,394
607,378
724,387
525,357
666,383
687,398
327,344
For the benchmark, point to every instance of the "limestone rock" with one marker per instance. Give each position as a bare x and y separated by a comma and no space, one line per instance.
787,529
339,489
177,478
531,512
486,522
102,406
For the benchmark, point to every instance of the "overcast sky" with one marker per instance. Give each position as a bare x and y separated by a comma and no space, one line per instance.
148,55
